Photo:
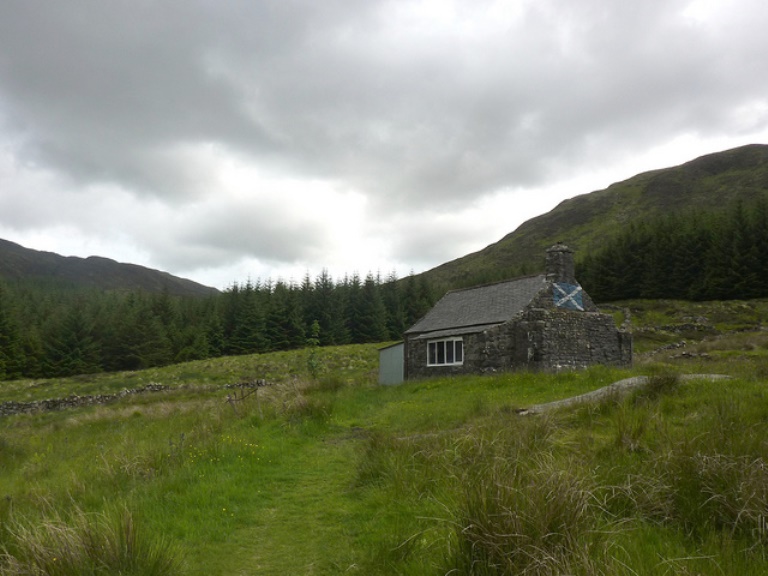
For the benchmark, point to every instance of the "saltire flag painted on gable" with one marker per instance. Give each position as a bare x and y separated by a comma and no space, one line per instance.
568,296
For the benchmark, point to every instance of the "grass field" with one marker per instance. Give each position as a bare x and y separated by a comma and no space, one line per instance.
334,474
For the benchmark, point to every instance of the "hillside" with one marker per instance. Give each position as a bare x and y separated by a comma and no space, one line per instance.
330,474
19,263
583,222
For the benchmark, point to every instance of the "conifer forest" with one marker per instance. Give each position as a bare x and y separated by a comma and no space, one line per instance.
53,330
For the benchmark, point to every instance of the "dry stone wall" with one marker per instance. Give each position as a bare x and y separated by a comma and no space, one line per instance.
11,408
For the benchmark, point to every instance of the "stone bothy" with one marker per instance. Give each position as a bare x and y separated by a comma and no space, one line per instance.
544,322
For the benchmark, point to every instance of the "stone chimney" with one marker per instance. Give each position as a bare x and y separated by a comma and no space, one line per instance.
560,265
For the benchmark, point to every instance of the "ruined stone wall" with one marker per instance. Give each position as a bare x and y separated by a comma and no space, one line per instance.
539,339
549,339
566,339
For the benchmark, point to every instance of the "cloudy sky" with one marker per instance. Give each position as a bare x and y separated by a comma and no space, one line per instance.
222,140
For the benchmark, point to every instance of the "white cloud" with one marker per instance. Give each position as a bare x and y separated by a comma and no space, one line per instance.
276,138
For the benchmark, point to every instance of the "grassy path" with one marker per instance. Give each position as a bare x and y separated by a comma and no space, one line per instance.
298,516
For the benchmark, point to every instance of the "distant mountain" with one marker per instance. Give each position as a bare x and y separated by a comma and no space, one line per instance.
586,221
19,263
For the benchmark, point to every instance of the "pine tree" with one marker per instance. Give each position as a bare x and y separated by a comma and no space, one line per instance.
247,330
368,314
70,346
760,241
167,310
415,300
393,302
352,288
745,261
690,258
138,338
214,335
11,352
32,357
718,276
285,327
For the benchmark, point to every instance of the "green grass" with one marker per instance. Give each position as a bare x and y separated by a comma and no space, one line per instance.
337,475
87,545
345,363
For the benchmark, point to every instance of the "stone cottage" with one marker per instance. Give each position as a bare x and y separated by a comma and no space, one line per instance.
544,322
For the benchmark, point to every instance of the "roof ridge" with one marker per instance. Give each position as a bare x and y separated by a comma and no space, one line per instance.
478,286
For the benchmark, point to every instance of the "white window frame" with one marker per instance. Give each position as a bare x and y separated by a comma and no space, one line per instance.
443,352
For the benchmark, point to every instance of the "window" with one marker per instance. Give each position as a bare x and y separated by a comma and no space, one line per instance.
448,352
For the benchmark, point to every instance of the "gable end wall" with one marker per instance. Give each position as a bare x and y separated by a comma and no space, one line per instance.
563,339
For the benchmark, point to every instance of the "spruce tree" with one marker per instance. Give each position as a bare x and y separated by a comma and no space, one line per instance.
369,316
11,352
393,302
285,328
70,346
247,325
330,307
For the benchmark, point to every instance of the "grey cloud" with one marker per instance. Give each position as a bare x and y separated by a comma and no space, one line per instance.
104,87
418,115
329,92
423,239
227,234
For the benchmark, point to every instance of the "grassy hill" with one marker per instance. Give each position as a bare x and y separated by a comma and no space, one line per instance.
583,222
19,263
324,472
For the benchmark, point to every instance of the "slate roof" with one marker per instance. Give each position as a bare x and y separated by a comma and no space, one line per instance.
475,309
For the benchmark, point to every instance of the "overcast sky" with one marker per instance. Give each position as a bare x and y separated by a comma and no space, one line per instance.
222,140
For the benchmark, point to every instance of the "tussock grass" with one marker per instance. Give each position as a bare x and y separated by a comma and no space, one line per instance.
85,545
657,386
532,518
517,510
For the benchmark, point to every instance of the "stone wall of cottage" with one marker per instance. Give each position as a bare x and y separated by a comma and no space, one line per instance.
545,338
560,339
416,360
